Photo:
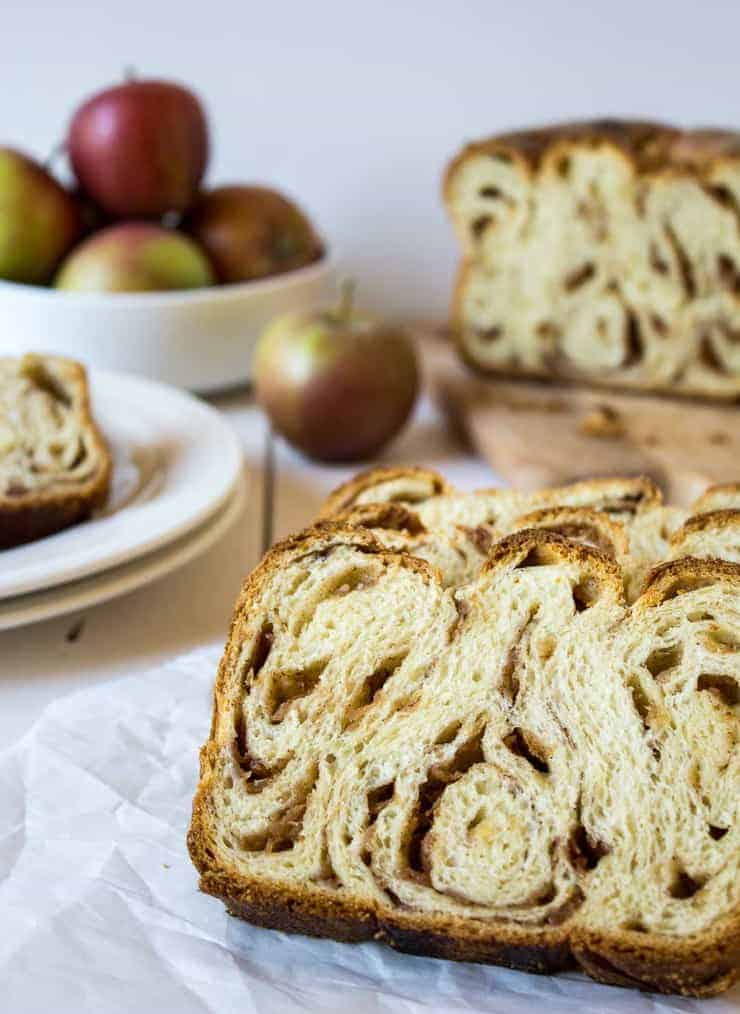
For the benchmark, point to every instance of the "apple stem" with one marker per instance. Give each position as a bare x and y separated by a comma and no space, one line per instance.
129,73
346,300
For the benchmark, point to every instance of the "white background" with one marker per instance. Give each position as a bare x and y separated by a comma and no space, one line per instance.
354,108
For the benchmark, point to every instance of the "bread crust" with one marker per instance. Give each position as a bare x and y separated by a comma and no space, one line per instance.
34,515
709,521
649,146
699,965
389,516
580,524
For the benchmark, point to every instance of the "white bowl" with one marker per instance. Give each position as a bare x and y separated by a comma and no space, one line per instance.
201,339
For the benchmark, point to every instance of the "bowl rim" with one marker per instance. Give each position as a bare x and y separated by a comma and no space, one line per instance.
227,291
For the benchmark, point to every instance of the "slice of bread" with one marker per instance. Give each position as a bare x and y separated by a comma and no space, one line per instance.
606,252
54,464
526,770
624,518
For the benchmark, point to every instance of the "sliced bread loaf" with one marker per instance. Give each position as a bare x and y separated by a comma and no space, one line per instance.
526,770
606,252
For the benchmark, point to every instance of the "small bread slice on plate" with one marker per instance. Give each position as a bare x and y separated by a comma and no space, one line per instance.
55,467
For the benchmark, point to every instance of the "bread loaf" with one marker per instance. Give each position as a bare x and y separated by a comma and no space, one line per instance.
54,464
606,252
525,769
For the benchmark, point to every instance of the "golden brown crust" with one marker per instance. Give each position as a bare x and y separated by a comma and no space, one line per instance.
582,524
675,577
19,525
390,516
708,521
35,515
698,965
278,907
690,967
650,146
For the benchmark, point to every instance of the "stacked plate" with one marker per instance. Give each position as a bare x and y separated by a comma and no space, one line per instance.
177,486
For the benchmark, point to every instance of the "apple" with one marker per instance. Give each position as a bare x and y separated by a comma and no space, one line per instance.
251,232
140,149
39,220
135,257
336,385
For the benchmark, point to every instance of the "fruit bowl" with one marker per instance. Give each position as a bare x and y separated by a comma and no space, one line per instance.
200,339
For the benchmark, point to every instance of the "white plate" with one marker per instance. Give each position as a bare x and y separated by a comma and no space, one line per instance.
43,605
176,460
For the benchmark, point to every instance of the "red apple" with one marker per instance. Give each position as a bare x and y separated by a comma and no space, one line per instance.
251,232
135,257
140,149
336,385
39,220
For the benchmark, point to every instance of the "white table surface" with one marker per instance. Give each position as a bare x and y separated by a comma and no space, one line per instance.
192,606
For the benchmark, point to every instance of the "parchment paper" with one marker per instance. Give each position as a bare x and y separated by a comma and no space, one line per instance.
99,907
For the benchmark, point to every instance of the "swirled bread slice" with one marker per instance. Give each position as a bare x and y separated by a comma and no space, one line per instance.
54,464
524,771
424,515
605,252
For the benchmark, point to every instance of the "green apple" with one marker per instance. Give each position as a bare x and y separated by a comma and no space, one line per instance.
39,220
135,257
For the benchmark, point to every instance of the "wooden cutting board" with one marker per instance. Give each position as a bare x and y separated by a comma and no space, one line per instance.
537,434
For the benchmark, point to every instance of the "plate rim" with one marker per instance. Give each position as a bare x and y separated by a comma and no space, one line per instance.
96,589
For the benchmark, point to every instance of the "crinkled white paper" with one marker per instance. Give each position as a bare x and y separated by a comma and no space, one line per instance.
99,906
